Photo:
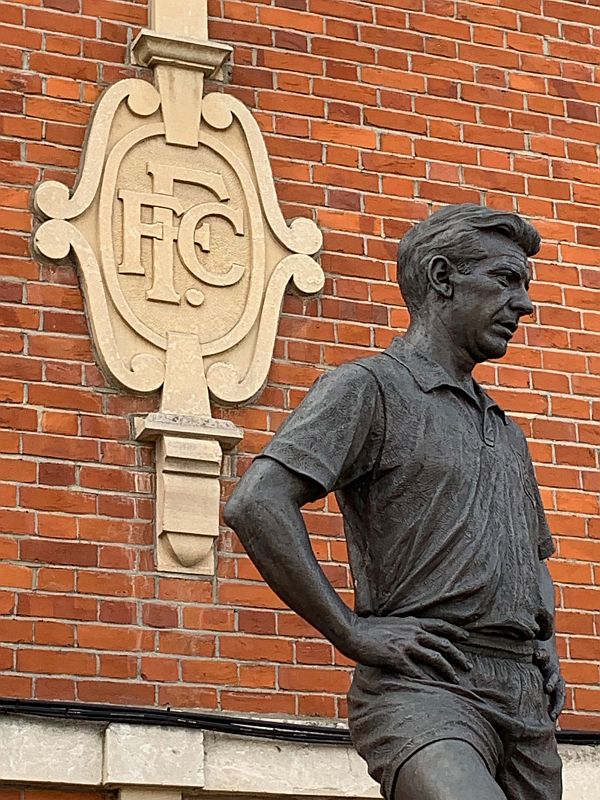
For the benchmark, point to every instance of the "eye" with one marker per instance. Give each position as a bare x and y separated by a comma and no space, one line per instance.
503,278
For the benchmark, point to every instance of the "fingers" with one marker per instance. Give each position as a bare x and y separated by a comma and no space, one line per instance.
550,684
442,628
450,651
436,660
409,669
558,699
541,658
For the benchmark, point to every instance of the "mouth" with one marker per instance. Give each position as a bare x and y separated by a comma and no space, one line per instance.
507,328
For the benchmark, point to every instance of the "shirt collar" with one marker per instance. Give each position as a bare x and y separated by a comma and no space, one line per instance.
430,375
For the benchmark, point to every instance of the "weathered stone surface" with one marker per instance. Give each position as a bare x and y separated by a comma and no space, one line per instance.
81,754
255,766
151,756
581,772
45,751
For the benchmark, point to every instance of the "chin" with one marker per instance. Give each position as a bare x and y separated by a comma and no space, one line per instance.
494,349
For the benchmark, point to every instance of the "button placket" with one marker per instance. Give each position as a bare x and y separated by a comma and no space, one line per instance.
489,432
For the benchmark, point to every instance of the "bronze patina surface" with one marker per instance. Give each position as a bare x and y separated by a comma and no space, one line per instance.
457,686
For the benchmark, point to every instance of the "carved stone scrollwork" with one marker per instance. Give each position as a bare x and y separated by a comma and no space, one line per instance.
184,258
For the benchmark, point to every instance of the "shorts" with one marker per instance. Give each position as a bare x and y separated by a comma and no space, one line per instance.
499,707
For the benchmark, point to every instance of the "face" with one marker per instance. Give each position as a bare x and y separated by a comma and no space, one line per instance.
488,303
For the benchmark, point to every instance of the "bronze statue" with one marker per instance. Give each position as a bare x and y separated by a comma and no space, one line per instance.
457,685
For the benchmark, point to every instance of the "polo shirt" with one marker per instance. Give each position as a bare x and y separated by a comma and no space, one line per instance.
442,512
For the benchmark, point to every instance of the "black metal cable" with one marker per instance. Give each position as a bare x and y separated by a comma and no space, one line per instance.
221,723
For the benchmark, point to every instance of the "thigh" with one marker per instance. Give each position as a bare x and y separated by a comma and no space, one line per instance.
446,770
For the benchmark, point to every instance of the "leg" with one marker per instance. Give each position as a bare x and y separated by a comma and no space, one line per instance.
446,770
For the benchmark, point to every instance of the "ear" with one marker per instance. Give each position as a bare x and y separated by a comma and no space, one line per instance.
439,272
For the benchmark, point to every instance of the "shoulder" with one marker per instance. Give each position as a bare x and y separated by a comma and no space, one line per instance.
397,388
353,379
347,392
376,381
352,373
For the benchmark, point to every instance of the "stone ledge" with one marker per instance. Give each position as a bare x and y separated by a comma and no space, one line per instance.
47,751
240,765
164,763
137,755
151,48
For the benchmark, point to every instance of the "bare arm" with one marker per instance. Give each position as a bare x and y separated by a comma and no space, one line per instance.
265,513
546,653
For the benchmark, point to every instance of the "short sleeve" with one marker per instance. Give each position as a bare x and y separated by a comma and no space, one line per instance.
334,435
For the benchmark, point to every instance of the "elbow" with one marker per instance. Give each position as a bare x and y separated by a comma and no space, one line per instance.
234,511
241,508
264,488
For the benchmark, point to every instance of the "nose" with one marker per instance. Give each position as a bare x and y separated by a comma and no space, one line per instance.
521,302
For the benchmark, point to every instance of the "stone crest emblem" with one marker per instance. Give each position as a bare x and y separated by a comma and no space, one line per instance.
184,258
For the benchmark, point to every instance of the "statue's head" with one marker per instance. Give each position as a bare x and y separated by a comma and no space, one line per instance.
467,266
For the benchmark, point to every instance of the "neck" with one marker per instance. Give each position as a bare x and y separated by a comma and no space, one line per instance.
432,338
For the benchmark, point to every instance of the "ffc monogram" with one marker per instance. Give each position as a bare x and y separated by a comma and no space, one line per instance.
190,231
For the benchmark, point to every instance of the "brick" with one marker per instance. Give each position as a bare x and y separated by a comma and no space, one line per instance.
23,419
59,397
200,671
52,64
17,577
186,644
107,479
188,697
72,348
18,471
51,579
119,692
342,9
57,607
257,622
104,427
118,612
580,598
56,663
113,637
118,666
45,499
65,447
15,686
314,680
59,552
159,615
244,701
162,670
248,648
343,134
114,10
16,631
290,20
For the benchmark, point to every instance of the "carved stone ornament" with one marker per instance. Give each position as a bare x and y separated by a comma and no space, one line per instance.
184,258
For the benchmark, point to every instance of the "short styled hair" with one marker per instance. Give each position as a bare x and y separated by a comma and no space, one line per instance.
455,232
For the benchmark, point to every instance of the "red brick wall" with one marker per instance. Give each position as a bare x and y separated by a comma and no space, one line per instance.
374,113
26,793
